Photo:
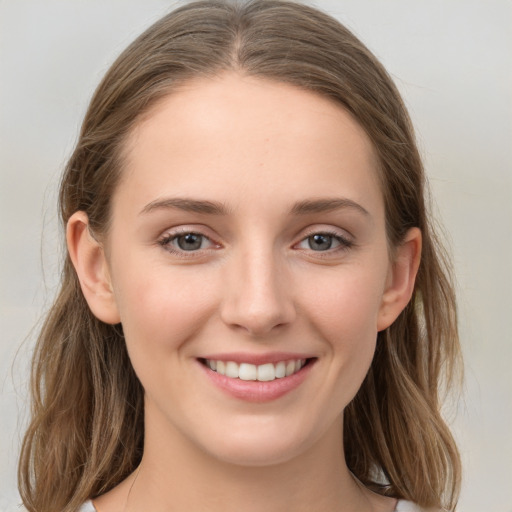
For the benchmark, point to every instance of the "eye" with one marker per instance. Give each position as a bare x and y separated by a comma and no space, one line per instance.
322,242
185,242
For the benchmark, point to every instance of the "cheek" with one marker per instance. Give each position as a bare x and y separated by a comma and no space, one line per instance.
346,305
162,307
344,310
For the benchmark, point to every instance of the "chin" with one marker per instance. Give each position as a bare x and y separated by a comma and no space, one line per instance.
258,452
258,442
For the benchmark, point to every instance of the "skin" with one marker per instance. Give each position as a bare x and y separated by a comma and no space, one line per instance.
262,151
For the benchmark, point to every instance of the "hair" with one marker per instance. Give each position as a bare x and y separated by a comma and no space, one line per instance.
86,433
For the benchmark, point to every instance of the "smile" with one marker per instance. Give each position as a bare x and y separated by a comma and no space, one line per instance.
262,373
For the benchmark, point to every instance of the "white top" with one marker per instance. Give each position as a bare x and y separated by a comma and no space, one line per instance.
401,506
87,507
405,506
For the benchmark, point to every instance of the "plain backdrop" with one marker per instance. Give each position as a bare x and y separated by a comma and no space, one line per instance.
452,60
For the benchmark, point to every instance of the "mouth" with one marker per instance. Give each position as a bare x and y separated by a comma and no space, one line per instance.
256,378
266,372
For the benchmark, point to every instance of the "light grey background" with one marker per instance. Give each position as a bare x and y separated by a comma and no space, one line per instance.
452,59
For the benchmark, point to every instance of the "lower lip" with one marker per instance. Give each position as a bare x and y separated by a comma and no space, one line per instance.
257,391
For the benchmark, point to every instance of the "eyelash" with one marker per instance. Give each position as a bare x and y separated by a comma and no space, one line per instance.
344,243
168,238
166,242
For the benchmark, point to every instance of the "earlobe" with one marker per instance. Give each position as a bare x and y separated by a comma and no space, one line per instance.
401,279
88,258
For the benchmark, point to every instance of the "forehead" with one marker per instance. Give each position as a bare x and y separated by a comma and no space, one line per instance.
233,134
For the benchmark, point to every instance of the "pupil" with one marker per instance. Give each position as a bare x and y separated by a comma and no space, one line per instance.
320,242
189,242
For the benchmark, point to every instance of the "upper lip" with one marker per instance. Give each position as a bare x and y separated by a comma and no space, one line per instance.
256,359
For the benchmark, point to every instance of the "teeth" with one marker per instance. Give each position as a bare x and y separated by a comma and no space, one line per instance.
247,372
280,370
231,370
263,372
266,372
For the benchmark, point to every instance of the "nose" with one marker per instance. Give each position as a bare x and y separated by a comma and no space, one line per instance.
258,295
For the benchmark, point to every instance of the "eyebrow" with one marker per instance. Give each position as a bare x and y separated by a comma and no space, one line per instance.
326,205
215,208
187,205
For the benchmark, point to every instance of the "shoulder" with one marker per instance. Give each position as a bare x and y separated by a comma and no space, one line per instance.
87,507
409,506
401,506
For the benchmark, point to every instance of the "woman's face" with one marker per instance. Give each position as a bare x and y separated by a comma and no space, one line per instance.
248,236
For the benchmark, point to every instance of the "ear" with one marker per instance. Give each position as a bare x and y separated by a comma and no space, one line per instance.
90,264
400,280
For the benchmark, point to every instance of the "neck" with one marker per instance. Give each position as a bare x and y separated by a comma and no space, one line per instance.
175,475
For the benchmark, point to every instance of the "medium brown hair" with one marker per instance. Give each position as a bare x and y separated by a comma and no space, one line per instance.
86,433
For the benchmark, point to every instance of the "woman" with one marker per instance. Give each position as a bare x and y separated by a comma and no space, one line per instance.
255,312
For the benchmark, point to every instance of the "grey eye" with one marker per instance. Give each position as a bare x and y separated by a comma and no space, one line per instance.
320,242
189,241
